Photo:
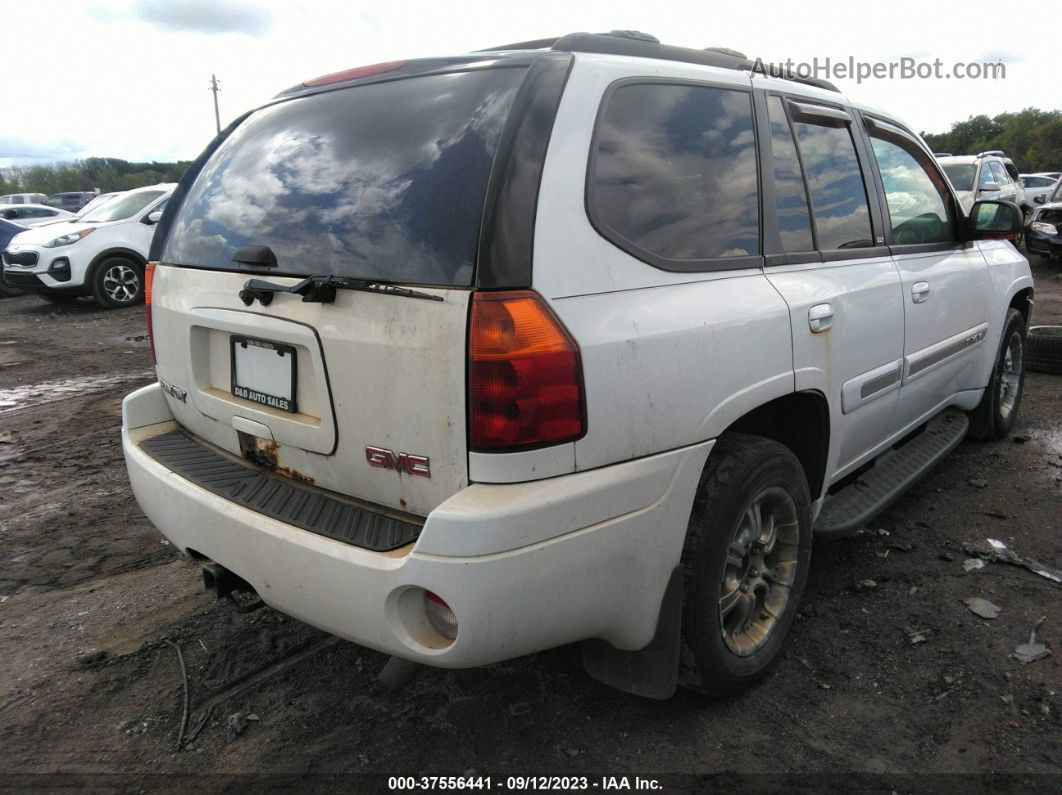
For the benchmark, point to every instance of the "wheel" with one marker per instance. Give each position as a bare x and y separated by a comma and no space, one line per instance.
746,559
997,412
118,282
59,298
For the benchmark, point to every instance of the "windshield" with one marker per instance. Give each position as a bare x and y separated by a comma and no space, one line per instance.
382,181
96,203
122,208
961,175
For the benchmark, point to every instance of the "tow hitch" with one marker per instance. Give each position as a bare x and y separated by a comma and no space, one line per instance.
224,584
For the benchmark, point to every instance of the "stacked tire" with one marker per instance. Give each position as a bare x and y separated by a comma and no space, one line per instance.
1044,346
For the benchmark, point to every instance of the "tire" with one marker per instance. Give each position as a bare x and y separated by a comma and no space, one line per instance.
1045,343
1049,366
59,298
725,647
118,282
997,412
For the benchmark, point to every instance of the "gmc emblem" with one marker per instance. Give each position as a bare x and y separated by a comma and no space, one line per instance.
399,462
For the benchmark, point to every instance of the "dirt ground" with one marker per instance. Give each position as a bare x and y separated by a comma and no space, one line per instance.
893,676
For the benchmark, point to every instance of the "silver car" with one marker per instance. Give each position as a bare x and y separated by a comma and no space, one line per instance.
989,175
1038,187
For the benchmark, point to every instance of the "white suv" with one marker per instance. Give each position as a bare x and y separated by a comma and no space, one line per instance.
581,340
102,253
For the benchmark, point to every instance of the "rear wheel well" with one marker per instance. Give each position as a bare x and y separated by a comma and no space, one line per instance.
801,422
1023,302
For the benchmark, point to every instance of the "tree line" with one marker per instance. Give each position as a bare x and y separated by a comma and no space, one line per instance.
106,173
1031,137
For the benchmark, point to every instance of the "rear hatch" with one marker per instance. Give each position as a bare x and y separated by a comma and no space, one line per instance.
356,386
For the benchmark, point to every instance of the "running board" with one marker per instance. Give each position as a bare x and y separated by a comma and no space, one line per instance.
894,472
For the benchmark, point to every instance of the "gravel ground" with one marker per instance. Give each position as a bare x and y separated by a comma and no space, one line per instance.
887,672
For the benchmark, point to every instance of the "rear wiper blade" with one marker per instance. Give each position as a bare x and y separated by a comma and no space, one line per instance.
322,289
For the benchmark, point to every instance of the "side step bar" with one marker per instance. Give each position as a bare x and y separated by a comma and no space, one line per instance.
894,472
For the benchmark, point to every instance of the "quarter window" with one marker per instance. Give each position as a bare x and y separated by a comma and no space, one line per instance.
835,181
791,198
673,179
914,190
986,176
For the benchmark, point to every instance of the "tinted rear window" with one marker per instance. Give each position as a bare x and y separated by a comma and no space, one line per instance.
382,181
674,174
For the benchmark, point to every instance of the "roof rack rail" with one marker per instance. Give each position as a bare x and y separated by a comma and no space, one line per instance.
643,45
943,154
992,153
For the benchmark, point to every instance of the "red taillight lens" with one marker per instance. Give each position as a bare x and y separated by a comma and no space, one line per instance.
149,276
354,74
525,376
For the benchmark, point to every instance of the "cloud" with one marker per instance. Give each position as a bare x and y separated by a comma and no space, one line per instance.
205,16
15,147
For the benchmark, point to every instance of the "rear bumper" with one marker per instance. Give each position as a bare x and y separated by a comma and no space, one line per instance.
525,567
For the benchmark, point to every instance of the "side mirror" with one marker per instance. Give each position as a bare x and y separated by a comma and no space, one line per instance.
1040,198
988,187
995,220
153,218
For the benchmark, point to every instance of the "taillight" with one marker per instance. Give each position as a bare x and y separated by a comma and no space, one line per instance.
149,275
525,383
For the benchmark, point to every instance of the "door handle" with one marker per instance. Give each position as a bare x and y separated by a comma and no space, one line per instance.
820,318
920,292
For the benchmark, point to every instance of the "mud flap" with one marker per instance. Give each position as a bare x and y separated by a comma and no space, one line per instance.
653,671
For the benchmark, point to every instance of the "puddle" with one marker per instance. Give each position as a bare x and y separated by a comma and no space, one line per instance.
27,395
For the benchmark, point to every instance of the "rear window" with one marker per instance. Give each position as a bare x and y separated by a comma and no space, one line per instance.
383,181
673,179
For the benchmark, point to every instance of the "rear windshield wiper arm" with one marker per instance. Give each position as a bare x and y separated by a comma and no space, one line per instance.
322,289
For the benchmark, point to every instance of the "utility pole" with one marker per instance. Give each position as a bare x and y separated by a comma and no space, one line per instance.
214,88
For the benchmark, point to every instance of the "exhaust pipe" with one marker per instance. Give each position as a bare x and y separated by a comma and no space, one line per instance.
224,584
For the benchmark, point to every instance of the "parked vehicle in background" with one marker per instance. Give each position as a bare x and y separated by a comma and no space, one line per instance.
1038,187
983,176
623,434
8,230
32,214
102,255
22,198
72,201
1055,174
1044,233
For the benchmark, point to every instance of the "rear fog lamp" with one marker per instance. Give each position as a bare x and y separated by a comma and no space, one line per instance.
440,616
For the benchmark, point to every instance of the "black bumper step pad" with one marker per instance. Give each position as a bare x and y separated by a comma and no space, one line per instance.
283,499
893,473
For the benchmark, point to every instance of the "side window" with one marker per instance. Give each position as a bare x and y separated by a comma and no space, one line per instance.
673,174
791,198
1000,173
915,191
835,181
986,175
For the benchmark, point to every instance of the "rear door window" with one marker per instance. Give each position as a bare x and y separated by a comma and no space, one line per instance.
382,181
791,198
673,177
835,181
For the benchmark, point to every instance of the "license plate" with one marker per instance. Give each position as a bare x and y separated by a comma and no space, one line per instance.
264,372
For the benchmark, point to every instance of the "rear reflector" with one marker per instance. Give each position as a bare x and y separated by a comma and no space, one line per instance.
149,276
354,74
525,375
440,616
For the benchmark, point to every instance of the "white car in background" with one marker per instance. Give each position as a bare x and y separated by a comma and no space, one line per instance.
989,175
23,198
32,214
1038,187
102,255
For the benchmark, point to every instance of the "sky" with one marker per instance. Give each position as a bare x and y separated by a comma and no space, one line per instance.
130,78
